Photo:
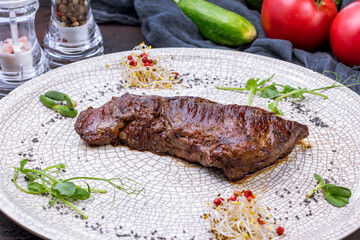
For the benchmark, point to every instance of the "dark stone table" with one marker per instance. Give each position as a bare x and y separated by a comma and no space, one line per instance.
116,38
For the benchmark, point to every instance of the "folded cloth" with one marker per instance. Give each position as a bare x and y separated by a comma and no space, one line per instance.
165,25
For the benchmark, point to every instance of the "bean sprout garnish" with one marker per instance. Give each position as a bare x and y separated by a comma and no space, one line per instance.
143,70
241,216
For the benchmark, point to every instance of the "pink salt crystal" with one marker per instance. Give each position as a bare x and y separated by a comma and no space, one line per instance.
23,39
26,46
7,49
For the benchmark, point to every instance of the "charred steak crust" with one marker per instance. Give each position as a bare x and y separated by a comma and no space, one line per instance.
240,140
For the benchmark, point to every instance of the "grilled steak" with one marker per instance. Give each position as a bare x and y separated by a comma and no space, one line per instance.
240,140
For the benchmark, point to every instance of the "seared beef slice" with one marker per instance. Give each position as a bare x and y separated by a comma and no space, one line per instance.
240,140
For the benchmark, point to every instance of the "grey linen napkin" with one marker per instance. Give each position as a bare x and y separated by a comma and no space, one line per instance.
165,25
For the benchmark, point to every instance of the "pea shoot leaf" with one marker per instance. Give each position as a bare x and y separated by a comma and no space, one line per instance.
31,176
81,193
287,89
35,187
299,94
251,83
60,166
274,109
65,188
269,92
319,179
22,165
335,195
62,190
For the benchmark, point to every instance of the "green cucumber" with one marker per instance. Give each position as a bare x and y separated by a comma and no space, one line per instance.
218,24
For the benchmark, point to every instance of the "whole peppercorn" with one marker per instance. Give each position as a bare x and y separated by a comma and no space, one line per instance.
218,201
71,13
233,198
280,230
62,8
237,193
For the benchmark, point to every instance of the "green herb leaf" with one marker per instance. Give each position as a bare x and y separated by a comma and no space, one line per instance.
269,92
319,179
335,195
54,95
251,83
81,193
253,86
60,166
22,165
66,188
299,94
35,187
31,177
264,81
287,89
274,109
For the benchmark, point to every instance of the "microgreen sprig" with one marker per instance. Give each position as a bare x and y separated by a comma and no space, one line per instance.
335,195
67,110
272,92
41,182
252,85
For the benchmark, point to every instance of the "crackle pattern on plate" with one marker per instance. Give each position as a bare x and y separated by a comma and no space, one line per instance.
177,191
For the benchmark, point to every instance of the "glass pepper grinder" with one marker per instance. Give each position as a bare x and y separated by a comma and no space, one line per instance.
21,56
72,34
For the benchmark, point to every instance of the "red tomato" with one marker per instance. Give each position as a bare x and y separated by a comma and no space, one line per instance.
345,35
304,23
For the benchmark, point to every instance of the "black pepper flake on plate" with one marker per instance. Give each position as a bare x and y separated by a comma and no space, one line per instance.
318,122
123,235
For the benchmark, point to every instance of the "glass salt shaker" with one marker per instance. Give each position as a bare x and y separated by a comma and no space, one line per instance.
21,56
72,34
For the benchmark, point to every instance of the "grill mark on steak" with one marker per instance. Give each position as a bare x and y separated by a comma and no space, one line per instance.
240,140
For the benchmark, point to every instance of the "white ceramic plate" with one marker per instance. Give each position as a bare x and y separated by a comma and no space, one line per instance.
176,191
